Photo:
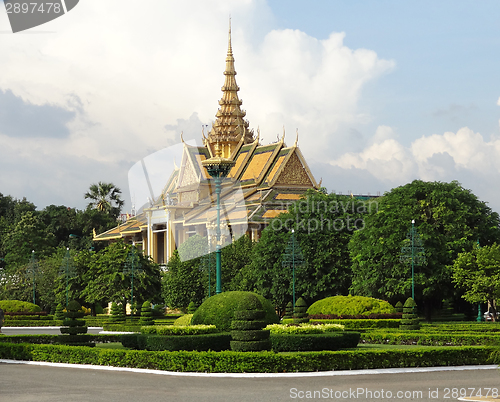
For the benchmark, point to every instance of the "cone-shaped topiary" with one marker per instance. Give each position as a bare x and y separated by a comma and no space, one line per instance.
300,314
116,313
73,329
288,311
409,321
399,307
146,314
247,332
192,308
59,315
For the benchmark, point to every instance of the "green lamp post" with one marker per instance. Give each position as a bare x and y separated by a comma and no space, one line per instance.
132,267
413,253
293,258
218,168
32,271
68,270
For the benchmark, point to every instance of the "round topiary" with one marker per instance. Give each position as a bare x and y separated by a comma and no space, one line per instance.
59,315
300,313
17,306
117,314
146,314
288,311
247,332
350,305
73,328
410,320
219,310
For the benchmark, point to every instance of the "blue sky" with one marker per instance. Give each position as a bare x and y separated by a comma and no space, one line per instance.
381,92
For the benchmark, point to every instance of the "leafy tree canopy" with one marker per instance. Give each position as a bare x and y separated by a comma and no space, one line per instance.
323,224
450,220
478,273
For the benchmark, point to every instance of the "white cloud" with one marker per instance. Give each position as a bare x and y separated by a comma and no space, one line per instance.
498,102
139,70
464,156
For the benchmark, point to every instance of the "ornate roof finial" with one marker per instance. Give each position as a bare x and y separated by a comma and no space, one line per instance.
182,139
296,138
229,127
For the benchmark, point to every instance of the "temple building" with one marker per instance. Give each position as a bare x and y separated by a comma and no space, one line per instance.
262,182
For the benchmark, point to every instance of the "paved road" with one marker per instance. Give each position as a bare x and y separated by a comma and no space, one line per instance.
23,383
41,330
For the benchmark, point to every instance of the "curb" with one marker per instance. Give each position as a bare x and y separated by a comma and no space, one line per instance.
263,375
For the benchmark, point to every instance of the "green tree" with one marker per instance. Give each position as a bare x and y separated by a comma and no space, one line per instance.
184,280
105,197
104,280
478,273
323,225
449,218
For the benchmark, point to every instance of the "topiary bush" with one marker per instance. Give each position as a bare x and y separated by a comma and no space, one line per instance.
192,308
117,314
288,311
73,328
59,315
219,310
247,333
146,314
300,312
410,321
183,320
399,307
14,306
350,305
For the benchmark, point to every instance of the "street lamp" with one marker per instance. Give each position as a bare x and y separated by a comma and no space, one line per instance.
132,267
293,257
32,271
218,168
68,270
413,253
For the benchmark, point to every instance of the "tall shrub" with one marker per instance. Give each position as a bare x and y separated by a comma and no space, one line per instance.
300,314
146,314
73,328
247,326
410,320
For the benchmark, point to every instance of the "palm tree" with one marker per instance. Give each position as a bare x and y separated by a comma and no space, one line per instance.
105,197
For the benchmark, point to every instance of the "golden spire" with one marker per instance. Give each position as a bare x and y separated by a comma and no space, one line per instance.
229,127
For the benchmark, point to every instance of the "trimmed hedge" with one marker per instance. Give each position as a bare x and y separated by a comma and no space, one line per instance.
121,327
314,342
32,323
351,305
355,317
13,306
219,310
361,324
203,342
179,330
52,339
184,320
254,362
431,339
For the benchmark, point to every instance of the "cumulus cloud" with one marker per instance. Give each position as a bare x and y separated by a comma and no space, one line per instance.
464,156
114,82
